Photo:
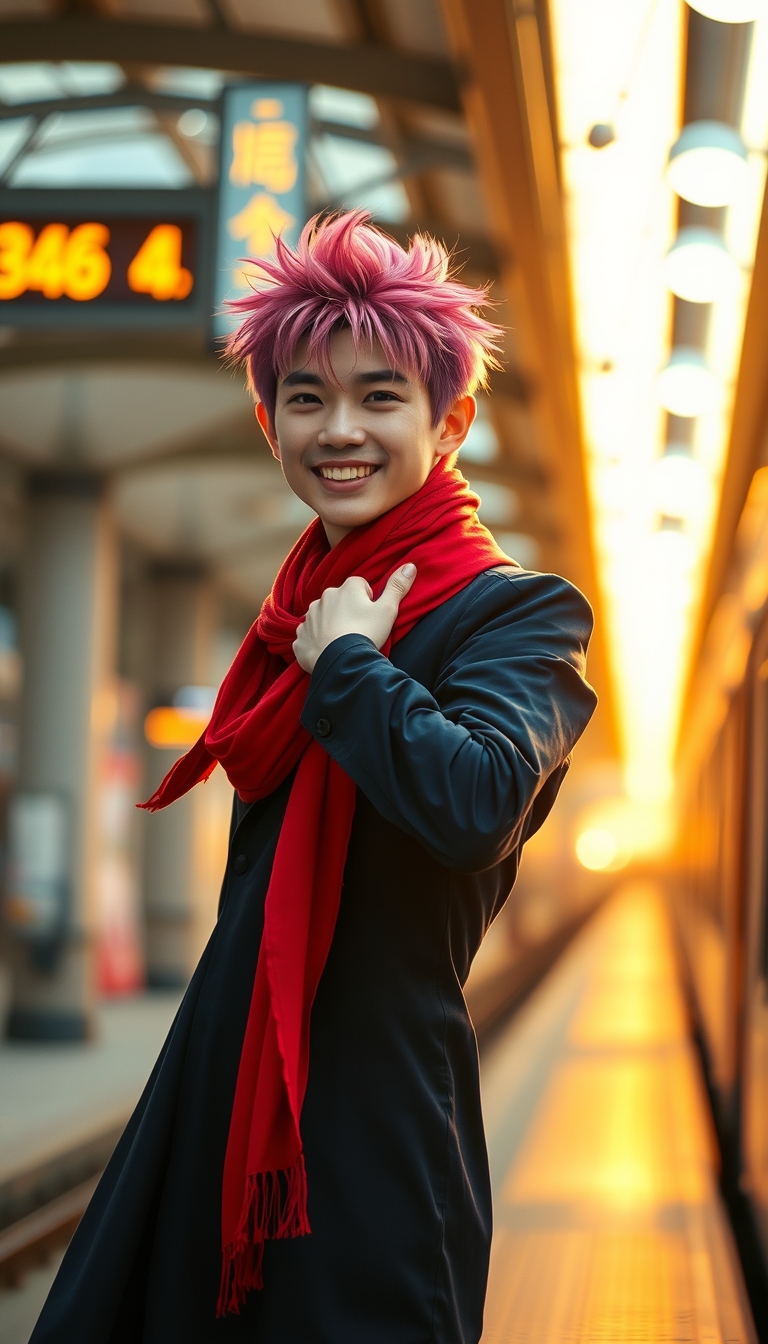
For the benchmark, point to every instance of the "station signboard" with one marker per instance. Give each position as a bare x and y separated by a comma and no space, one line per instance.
108,259
262,189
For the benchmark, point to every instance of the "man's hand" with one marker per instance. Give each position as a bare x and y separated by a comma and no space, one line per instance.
351,610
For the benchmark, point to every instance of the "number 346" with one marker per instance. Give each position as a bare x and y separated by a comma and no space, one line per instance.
60,262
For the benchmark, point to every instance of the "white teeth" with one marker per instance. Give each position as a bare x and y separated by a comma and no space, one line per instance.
345,473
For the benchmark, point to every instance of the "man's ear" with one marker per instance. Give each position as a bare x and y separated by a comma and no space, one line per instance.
456,425
268,428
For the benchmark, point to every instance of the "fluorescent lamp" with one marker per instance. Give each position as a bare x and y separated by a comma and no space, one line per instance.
708,163
680,486
687,386
699,267
729,11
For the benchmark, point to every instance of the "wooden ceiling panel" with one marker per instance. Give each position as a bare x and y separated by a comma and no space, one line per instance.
320,19
416,26
459,199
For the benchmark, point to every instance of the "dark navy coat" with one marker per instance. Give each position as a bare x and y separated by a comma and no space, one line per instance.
458,744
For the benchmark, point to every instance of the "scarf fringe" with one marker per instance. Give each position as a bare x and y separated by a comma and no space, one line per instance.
275,1206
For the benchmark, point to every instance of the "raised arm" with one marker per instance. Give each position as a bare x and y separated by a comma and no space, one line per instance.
461,769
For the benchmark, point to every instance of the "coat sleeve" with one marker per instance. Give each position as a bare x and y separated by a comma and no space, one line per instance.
461,768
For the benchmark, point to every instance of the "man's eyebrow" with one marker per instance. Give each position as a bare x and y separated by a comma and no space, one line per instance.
381,376
302,376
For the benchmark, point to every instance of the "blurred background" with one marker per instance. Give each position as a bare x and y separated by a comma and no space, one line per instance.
143,518
603,167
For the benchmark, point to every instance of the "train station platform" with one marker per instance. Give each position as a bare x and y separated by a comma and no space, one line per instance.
62,1107
608,1222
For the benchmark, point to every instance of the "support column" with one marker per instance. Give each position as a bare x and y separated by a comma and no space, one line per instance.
185,843
68,610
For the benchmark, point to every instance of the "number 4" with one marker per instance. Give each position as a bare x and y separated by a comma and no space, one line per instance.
156,269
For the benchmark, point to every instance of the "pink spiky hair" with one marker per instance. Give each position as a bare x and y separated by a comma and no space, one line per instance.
347,273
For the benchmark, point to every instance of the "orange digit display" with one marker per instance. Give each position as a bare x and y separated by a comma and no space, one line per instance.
114,263
156,269
46,263
87,265
16,241
57,262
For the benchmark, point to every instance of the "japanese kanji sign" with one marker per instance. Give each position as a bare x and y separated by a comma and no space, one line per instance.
261,187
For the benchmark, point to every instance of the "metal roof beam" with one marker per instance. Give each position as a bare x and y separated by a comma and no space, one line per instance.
365,67
131,95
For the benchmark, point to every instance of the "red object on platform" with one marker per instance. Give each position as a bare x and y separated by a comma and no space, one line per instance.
256,734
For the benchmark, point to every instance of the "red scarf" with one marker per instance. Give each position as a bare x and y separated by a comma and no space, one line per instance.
256,734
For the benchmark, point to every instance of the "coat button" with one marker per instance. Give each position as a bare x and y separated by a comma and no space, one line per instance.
240,864
323,728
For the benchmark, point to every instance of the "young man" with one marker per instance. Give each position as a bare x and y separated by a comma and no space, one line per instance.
396,724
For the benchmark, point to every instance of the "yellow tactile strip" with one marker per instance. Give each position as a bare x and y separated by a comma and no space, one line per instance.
608,1222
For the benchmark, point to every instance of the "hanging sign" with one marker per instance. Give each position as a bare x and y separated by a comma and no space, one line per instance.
261,184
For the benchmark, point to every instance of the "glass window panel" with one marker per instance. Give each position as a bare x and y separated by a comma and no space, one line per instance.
344,106
148,162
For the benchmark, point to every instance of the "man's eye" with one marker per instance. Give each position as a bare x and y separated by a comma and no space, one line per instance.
306,399
382,396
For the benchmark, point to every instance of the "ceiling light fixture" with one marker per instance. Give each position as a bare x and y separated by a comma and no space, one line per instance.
680,486
699,267
708,163
729,11
686,385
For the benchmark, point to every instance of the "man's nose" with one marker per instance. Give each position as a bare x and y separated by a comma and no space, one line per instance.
341,429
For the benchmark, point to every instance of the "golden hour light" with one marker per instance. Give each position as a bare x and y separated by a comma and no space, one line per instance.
625,256
384,671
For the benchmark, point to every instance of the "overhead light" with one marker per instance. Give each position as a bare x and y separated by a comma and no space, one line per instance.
708,163
680,486
597,849
699,267
729,11
670,554
686,385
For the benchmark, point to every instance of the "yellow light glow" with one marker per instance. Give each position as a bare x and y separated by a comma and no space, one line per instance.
622,65
597,849
614,831
168,726
680,486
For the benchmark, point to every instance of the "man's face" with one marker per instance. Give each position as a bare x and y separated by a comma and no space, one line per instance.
355,445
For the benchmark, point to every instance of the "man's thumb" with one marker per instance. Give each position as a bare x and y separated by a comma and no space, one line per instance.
399,583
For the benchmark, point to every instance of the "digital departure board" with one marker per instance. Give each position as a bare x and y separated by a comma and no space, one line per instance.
104,258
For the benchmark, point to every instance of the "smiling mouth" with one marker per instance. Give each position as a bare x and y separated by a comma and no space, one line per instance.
345,473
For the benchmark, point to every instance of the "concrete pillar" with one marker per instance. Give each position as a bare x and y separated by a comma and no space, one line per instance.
185,844
68,611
